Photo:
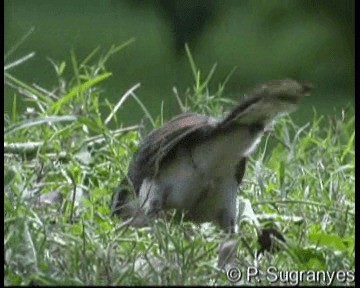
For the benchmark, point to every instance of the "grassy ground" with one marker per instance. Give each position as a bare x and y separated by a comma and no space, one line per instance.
300,181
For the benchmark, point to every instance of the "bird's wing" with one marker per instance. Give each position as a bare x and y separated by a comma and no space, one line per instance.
159,143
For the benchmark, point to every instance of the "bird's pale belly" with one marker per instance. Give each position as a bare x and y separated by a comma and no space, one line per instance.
199,180
202,195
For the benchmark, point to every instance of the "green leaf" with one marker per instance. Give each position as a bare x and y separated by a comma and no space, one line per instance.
33,91
350,146
9,175
328,240
77,90
62,68
310,257
39,121
90,124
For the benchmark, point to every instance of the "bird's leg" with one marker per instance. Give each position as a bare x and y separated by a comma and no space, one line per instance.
226,220
227,253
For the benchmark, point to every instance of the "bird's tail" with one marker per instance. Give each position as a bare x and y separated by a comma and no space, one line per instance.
252,109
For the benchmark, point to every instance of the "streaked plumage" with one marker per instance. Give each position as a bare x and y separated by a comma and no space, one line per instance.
195,163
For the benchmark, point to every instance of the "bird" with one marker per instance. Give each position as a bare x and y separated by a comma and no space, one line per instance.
195,163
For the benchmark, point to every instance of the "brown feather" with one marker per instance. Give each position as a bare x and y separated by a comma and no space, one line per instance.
159,143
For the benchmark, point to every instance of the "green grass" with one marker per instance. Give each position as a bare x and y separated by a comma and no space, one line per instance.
301,181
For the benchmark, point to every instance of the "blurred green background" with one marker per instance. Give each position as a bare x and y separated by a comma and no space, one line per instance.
265,40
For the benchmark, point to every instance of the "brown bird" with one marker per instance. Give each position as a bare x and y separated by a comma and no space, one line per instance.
195,163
